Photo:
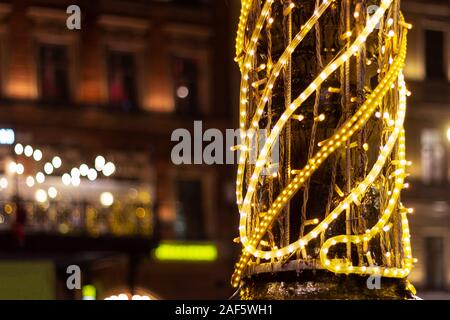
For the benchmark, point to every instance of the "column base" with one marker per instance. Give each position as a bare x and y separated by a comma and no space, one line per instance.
321,285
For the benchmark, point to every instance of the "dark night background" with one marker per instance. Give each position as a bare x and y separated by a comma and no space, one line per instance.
136,71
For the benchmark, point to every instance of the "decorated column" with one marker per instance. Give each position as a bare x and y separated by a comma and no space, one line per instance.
324,79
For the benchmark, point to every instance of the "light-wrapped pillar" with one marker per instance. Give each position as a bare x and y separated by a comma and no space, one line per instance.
324,79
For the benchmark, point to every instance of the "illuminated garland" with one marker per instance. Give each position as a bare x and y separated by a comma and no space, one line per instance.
395,147
73,178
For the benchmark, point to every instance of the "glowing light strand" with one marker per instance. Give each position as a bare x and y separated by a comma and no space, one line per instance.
329,69
342,135
267,91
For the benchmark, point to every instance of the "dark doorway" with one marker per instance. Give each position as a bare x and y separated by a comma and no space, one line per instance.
434,251
190,217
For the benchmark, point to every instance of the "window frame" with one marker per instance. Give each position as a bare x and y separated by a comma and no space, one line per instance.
436,25
45,32
209,183
128,35
441,142
108,52
192,42
69,73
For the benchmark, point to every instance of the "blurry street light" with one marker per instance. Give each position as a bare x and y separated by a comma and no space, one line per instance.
56,162
92,174
75,172
20,169
84,170
75,180
30,181
99,163
124,296
3,183
18,149
40,177
66,179
28,151
109,169
106,199
7,136
52,192
182,92
37,155
16,168
12,167
41,195
48,168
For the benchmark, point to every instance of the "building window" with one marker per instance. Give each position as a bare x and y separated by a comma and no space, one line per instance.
434,52
434,165
53,72
186,79
121,80
189,224
435,275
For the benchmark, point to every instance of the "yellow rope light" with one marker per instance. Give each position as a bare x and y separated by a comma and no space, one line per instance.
251,241
268,90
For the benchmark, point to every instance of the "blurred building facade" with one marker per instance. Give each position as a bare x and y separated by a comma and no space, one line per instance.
428,144
136,71
119,87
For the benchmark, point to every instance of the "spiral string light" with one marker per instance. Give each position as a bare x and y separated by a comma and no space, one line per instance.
391,158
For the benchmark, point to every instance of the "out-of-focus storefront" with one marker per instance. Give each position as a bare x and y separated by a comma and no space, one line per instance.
65,191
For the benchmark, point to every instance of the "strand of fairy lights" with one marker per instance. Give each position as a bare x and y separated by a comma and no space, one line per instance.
267,91
73,178
400,173
245,10
343,134
288,113
356,194
329,69
247,63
